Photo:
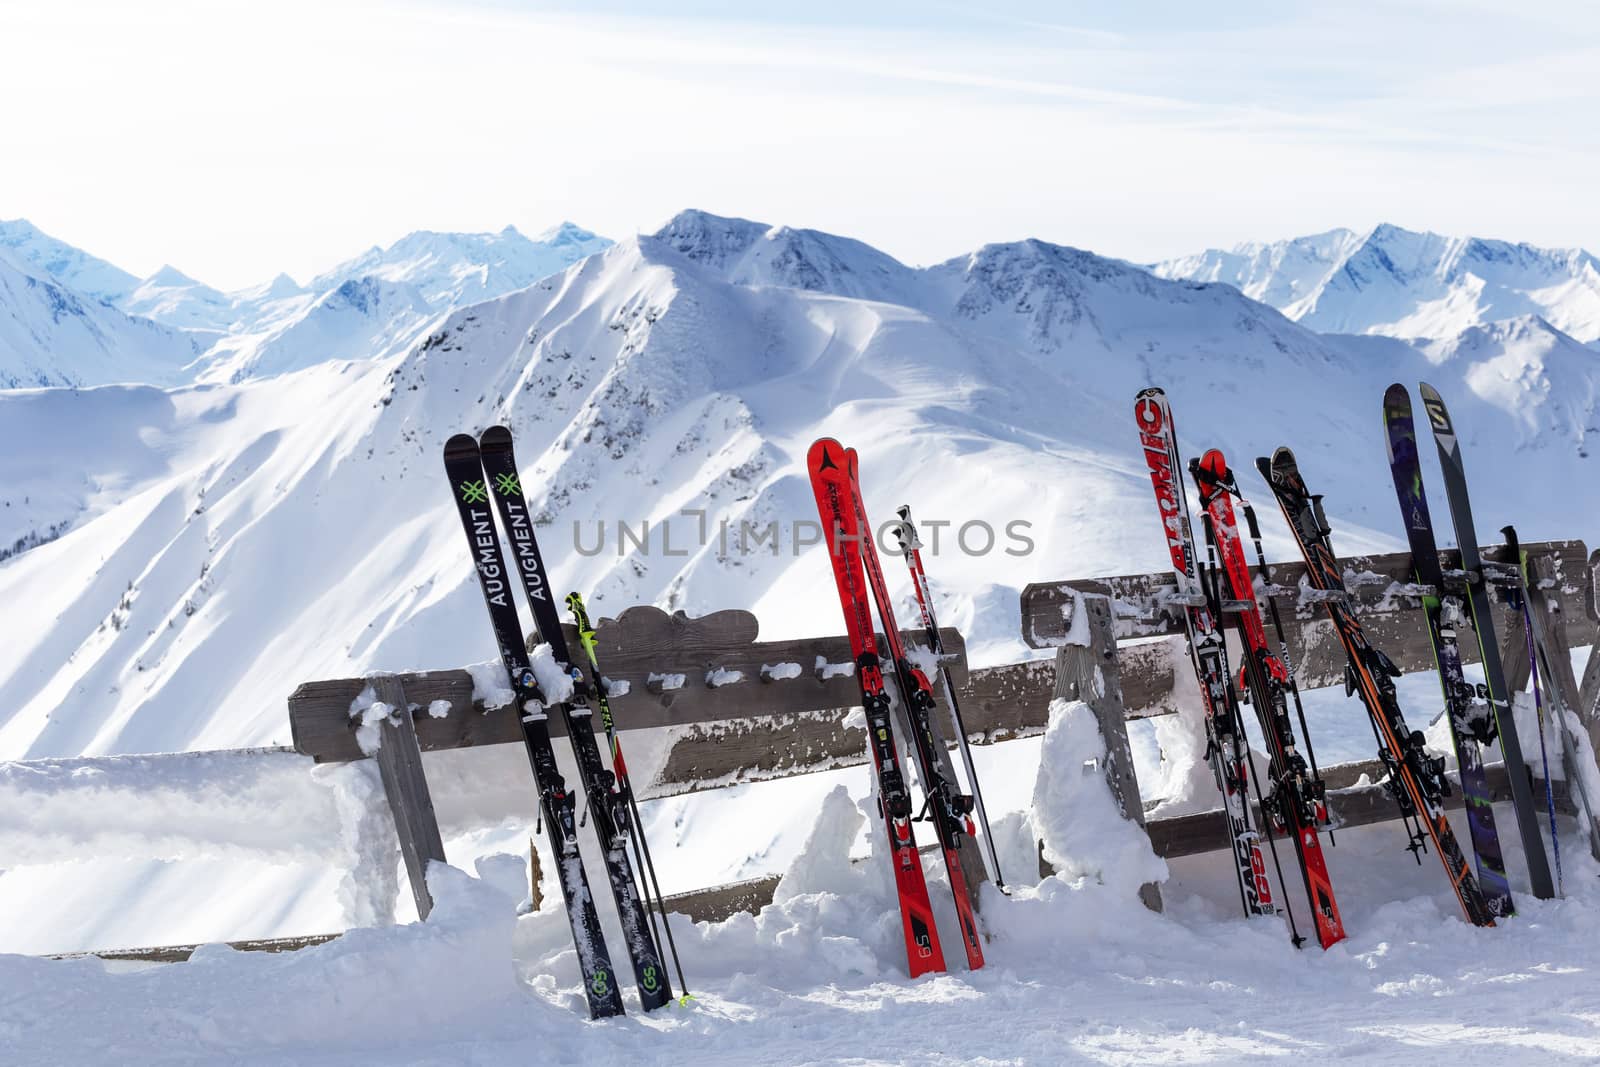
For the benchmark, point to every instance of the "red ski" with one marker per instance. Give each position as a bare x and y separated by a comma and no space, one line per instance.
1226,746
949,810
1297,800
827,463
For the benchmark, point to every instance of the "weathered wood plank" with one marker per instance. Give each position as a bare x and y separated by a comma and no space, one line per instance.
181,953
1389,618
642,648
1350,806
719,902
406,789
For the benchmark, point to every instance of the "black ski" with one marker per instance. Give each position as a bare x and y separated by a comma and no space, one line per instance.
1455,488
608,806
1416,779
1470,722
559,808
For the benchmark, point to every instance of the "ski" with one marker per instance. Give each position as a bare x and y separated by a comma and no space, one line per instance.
1297,800
1226,746
641,846
608,809
911,549
1542,664
1415,779
826,462
948,809
464,468
1455,488
1471,724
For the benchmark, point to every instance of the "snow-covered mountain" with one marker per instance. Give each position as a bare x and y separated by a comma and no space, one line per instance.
1407,284
171,297
228,540
373,305
456,269
1544,380
70,266
51,335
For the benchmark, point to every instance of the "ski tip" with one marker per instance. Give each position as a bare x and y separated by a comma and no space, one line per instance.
1396,396
825,454
460,445
495,437
1215,465
1264,465
1149,393
1429,392
1150,411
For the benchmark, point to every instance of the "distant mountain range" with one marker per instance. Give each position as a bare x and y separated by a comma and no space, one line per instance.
380,301
1407,284
183,555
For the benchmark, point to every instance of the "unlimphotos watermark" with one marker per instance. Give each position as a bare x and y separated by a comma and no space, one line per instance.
692,529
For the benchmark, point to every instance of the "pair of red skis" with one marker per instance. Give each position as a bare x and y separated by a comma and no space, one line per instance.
856,569
1295,802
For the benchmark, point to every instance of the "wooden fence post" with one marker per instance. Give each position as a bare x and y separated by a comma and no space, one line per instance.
405,787
1089,673
1588,705
1548,623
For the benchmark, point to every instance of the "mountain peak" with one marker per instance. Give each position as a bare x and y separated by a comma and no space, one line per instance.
563,234
71,266
169,277
714,240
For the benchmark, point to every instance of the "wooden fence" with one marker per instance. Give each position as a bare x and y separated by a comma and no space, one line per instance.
734,716
736,709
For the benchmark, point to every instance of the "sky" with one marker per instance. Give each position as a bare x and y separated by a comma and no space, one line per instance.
235,140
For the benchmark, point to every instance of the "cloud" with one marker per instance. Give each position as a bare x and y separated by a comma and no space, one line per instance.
237,141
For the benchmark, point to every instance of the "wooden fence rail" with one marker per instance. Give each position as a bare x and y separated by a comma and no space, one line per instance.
737,709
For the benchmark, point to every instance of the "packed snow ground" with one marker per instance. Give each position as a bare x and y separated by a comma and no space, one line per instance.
1078,970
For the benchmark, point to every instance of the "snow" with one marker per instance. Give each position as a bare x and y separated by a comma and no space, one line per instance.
620,688
826,670
667,682
781,672
1078,970
1083,833
490,686
719,676
555,681
369,713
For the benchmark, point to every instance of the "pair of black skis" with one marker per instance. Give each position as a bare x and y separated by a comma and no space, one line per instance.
1447,609
475,468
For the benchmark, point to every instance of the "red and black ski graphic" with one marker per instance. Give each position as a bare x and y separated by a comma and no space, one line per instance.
1225,742
827,464
1297,799
949,810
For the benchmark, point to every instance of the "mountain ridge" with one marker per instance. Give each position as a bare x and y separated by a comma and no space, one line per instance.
1405,283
